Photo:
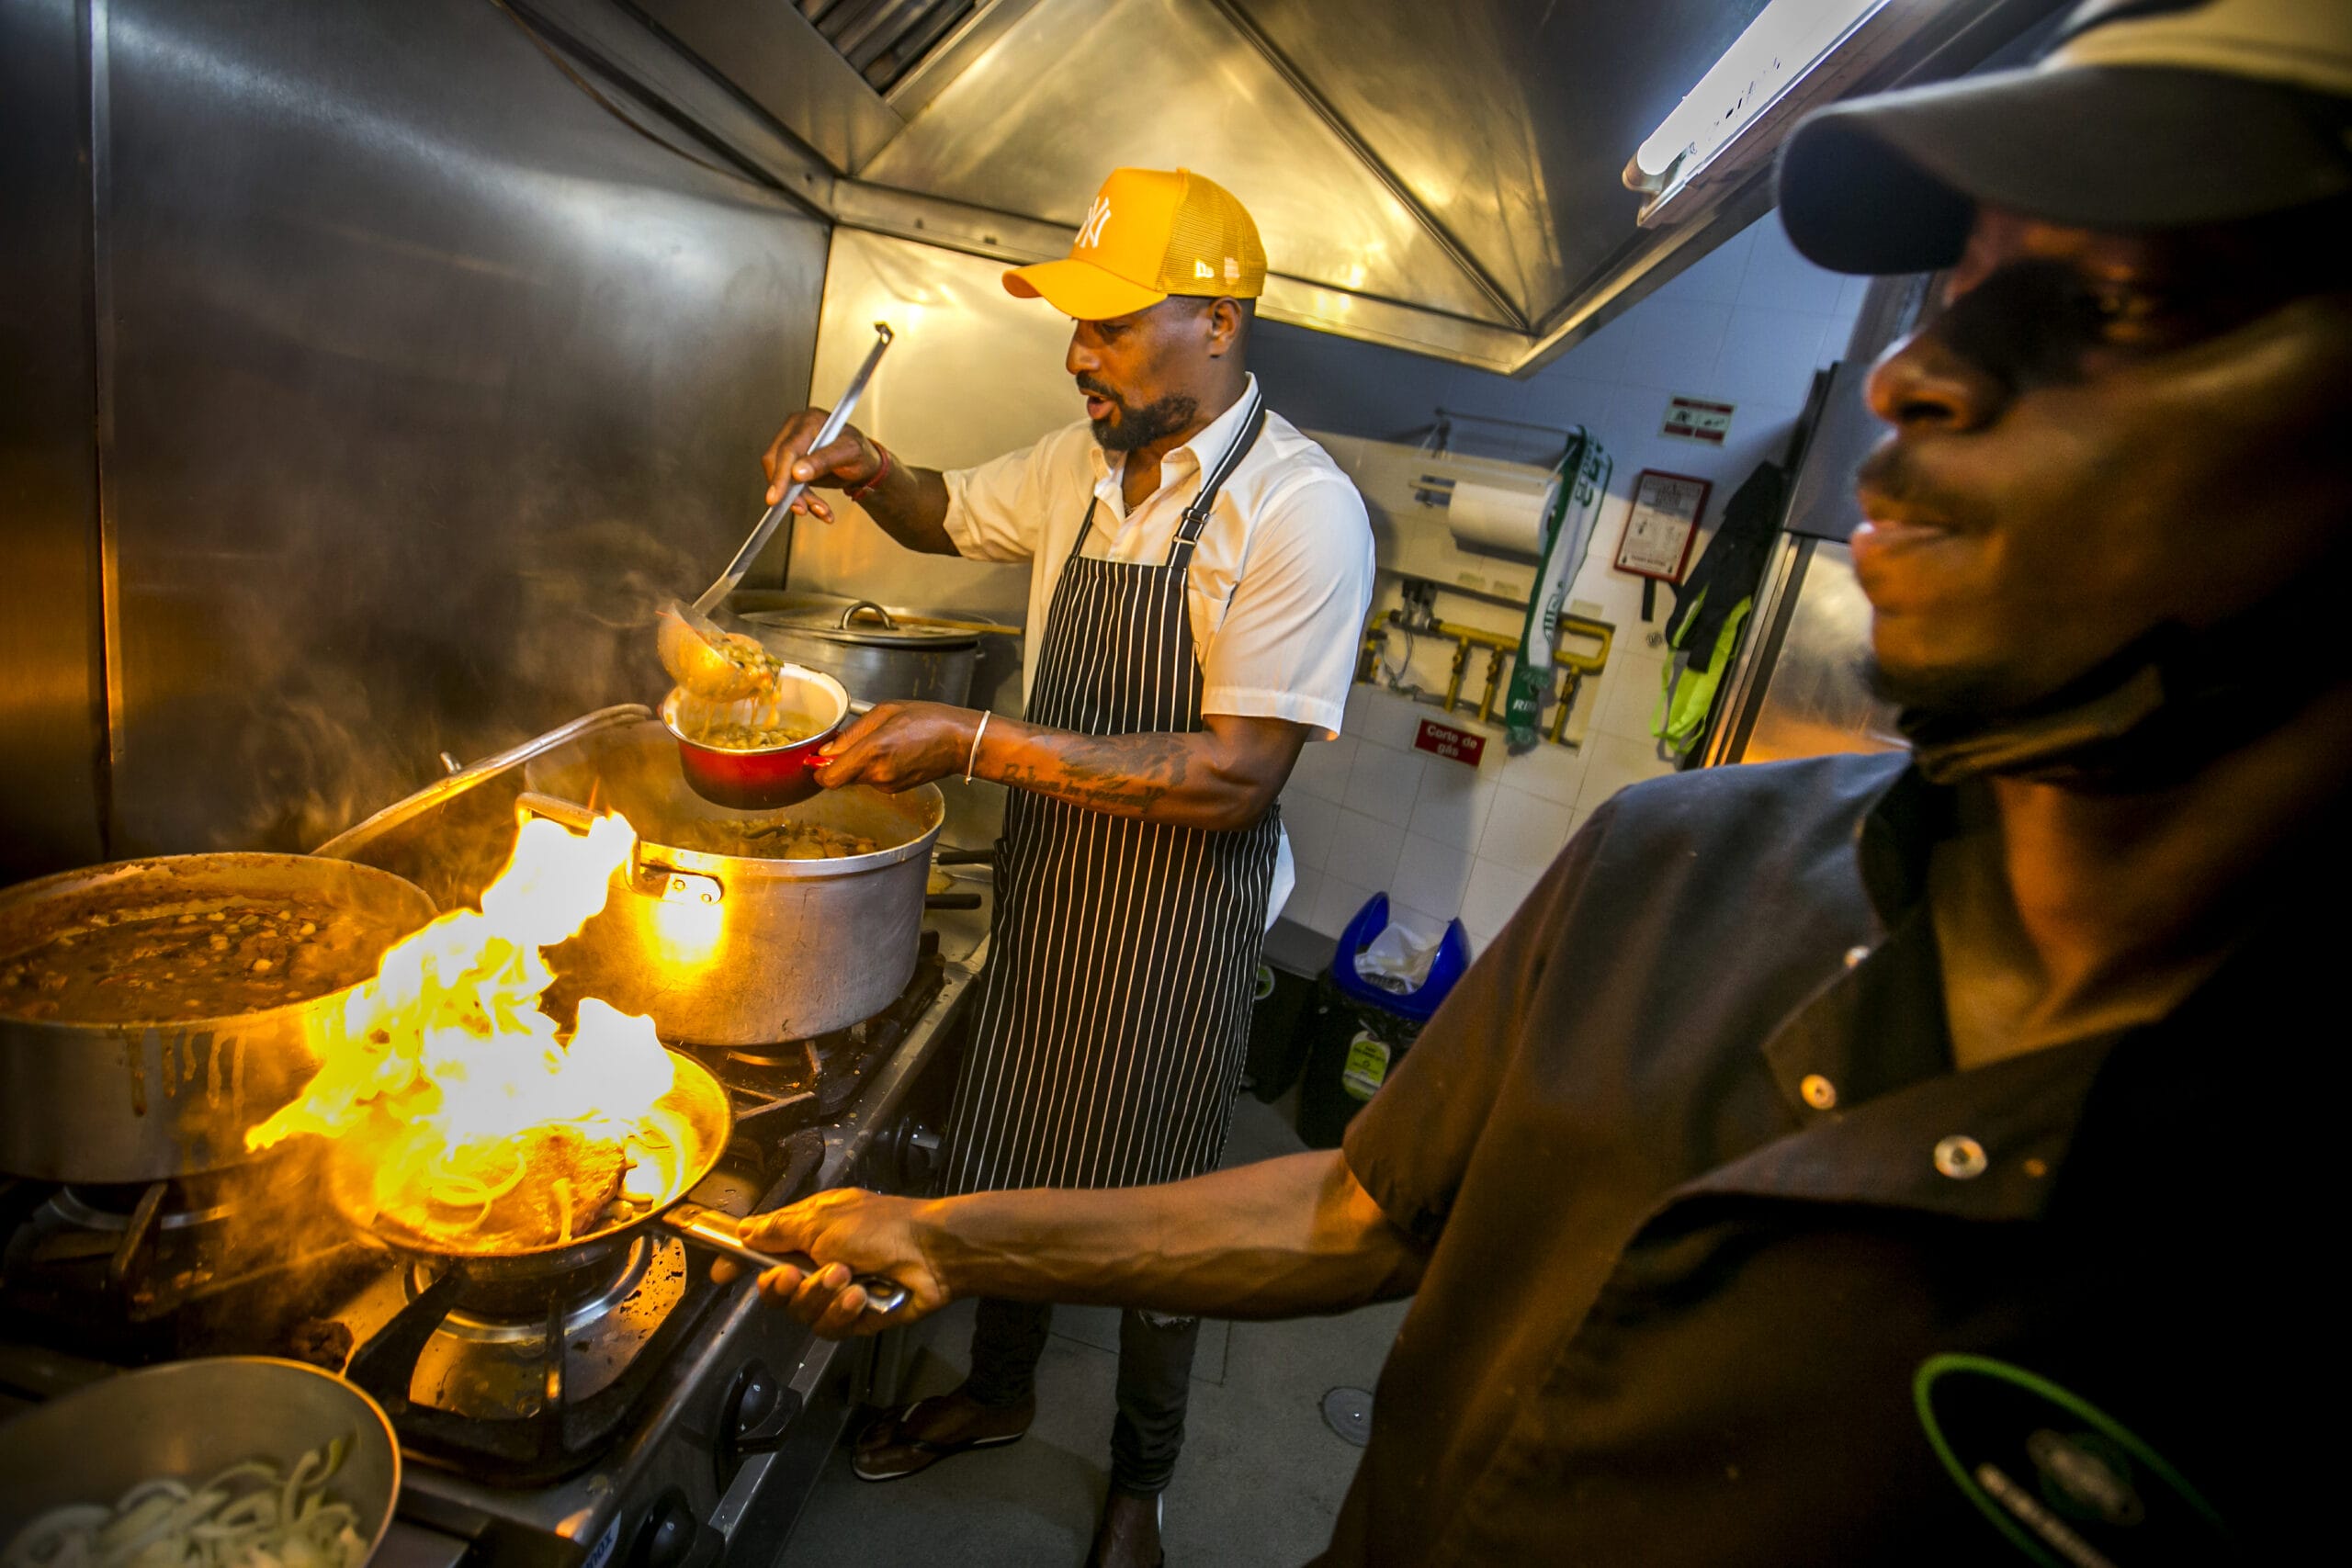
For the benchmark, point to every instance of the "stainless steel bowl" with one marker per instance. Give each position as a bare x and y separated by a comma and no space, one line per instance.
189,1420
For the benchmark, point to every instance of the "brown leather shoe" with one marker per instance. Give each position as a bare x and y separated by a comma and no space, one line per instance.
1129,1534
904,1442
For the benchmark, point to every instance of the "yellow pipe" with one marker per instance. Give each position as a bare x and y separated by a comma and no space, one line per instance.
1494,685
1453,683
1601,632
1568,689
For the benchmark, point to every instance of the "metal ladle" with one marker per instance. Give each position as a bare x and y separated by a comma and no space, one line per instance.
692,646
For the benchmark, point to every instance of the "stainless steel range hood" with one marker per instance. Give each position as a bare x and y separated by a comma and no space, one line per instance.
1438,177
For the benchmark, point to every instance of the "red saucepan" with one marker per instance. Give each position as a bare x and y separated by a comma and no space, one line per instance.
718,743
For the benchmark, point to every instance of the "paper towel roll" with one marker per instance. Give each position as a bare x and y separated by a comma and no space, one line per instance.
1492,518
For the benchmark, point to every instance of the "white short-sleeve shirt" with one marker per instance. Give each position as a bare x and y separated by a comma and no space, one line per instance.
1279,580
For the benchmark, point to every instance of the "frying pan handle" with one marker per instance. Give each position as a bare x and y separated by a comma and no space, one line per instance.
570,814
719,1232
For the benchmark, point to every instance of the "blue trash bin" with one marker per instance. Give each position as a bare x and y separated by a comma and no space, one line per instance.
1362,1030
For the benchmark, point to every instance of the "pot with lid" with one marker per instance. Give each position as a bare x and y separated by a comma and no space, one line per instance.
879,653
733,928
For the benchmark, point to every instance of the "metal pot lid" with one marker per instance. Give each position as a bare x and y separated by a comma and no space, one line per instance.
868,624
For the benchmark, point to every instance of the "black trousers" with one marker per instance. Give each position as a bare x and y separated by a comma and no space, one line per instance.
1155,1377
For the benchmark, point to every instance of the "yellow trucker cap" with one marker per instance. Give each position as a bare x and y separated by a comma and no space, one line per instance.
1151,233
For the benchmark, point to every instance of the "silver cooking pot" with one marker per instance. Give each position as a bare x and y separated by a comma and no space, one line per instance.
121,1102
880,654
709,934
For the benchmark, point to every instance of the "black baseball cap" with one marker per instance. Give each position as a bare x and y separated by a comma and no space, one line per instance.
2143,114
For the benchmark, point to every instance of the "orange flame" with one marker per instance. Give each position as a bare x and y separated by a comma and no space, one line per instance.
447,1039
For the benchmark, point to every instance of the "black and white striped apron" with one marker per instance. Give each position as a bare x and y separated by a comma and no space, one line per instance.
1114,1014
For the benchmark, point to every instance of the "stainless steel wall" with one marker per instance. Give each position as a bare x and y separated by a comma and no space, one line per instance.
975,373
51,730
428,378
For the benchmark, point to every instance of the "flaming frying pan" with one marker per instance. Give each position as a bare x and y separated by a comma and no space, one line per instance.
680,1139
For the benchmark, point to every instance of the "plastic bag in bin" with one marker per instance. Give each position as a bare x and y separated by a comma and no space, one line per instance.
1363,937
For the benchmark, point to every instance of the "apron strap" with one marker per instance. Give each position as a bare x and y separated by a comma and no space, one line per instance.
1196,516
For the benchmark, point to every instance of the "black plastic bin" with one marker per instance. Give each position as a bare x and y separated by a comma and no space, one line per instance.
1278,1032
1352,1047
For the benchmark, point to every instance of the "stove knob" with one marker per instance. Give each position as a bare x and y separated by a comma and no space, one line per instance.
759,1411
668,1537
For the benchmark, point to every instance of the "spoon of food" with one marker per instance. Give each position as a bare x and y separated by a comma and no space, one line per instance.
699,655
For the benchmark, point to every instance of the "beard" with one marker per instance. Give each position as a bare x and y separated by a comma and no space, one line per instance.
1953,694
1127,428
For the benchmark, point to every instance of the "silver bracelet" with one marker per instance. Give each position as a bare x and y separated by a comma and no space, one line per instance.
974,759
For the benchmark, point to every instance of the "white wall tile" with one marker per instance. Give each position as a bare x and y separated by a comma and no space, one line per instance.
1769,355
1554,772
1365,851
1425,925
1672,345
1306,893
1778,278
1322,768
1616,763
1385,783
1314,826
1452,804
1378,716
1630,688
1492,897
1524,830
1337,904
1601,357
1431,874
1715,277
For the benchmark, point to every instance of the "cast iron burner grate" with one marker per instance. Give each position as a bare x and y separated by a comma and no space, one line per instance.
565,1434
794,1083
139,1272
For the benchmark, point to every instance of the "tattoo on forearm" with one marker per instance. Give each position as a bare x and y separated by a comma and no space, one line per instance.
1127,775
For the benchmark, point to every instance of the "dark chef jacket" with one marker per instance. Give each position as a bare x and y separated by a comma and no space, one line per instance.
1678,1302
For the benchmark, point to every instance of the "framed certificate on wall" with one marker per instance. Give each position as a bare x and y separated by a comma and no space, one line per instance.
1658,530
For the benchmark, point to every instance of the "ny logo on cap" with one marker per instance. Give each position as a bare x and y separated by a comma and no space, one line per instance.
1090,232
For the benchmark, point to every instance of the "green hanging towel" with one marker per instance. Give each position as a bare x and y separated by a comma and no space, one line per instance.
1567,534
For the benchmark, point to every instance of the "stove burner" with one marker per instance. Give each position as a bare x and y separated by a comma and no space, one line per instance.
103,1209
489,1361
146,1271
510,1310
526,1382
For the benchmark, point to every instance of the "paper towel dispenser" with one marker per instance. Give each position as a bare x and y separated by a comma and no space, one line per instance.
1472,525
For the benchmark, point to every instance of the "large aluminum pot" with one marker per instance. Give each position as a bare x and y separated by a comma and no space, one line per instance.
717,940
187,1421
879,654
122,1103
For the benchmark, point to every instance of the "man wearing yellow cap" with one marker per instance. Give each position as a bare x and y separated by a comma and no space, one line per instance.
1202,571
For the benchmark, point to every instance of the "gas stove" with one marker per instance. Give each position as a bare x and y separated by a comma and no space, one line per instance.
627,1410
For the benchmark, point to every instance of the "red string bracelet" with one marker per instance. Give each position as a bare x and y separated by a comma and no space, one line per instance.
862,491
